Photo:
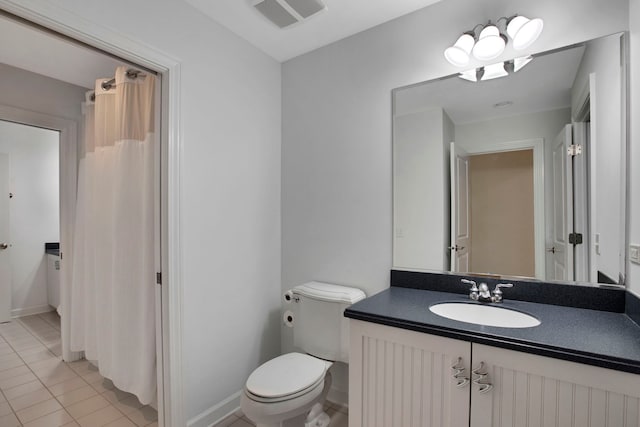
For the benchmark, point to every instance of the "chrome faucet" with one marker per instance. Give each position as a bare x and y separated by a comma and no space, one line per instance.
481,292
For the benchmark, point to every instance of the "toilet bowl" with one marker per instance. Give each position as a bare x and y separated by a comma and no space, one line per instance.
289,391
284,390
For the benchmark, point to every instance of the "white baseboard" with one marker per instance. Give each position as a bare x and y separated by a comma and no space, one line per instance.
28,311
216,413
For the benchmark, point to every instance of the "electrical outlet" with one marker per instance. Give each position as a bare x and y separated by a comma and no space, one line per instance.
634,253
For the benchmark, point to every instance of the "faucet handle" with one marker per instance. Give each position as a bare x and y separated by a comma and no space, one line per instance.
497,293
473,292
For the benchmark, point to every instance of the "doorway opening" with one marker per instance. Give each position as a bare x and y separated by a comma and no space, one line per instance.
69,131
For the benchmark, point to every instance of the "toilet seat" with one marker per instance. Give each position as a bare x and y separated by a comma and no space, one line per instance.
286,377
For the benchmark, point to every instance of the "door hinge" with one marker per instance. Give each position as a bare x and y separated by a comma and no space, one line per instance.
159,278
575,238
574,150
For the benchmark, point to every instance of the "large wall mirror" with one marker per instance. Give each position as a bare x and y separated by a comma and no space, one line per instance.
516,168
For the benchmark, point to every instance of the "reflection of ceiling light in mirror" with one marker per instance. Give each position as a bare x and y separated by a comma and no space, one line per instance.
490,44
519,63
473,75
494,71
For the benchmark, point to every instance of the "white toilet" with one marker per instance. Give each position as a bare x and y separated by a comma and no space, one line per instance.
290,389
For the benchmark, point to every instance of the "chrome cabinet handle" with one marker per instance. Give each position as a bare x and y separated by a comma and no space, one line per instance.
483,386
3,246
458,374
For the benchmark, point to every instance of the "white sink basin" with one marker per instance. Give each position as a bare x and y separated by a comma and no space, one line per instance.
488,315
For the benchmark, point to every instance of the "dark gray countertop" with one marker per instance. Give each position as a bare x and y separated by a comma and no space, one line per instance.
599,338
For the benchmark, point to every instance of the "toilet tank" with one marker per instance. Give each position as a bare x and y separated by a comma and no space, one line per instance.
319,325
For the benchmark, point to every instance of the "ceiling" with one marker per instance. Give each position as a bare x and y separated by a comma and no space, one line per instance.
39,52
543,84
342,18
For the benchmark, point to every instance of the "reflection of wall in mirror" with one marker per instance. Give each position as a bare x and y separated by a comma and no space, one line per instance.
602,58
420,159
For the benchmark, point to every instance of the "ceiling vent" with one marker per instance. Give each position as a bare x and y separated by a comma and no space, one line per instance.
284,13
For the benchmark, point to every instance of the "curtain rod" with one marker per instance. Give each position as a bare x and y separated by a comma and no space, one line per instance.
108,84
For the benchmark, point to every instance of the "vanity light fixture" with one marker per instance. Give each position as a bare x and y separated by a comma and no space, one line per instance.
491,41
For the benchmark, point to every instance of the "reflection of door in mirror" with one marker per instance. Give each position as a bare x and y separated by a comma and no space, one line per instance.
460,227
561,250
502,212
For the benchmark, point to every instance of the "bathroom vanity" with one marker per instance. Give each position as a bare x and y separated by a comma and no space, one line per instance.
409,366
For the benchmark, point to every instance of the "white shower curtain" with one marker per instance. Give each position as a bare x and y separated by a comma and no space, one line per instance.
112,312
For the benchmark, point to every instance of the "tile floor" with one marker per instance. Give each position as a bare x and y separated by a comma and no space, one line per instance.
338,413
38,389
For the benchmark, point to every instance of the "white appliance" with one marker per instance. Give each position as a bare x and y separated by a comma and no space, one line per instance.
290,389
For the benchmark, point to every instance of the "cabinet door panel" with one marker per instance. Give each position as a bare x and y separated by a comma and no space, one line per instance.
530,390
403,378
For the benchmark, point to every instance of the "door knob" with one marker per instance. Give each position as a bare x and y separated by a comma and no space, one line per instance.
3,246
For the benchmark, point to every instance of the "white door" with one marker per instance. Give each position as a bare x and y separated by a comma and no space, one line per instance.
5,265
460,227
562,250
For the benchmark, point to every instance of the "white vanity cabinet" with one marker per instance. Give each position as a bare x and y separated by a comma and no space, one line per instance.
403,378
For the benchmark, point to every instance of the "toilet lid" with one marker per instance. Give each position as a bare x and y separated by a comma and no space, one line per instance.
285,375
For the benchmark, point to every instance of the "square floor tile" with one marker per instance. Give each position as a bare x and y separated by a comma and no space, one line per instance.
121,422
102,386
78,395
30,399
54,419
14,372
38,410
100,417
17,380
85,407
67,386
143,416
23,389
5,409
9,420
128,405
11,363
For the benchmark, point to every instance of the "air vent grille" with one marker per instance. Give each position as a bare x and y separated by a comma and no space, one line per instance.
306,8
284,13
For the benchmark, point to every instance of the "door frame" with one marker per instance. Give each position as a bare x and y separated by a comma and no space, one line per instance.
57,19
537,145
68,162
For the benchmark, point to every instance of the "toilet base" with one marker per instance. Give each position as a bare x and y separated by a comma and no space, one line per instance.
316,418
309,414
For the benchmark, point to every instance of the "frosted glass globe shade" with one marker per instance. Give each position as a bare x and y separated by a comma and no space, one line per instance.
490,44
458,54
524,31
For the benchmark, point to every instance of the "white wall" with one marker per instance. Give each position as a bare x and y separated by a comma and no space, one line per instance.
602,58
337,216
634,181
543,124
230,200
34,210
420,236
34,92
